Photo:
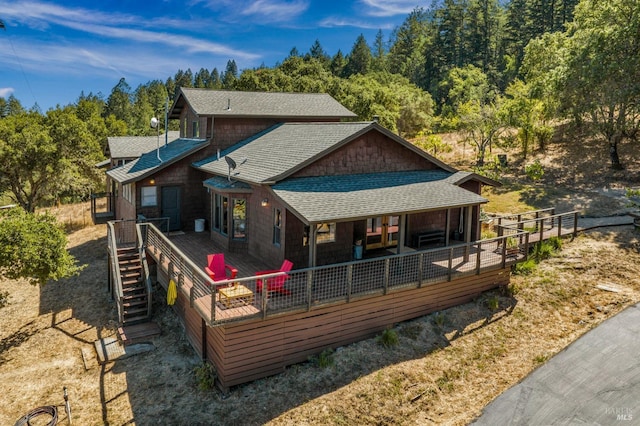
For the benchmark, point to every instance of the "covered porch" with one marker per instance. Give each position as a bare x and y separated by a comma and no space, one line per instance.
341,216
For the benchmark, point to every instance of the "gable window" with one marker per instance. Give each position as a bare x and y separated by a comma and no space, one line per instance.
326,232
148,196
220,214
277,226
239,218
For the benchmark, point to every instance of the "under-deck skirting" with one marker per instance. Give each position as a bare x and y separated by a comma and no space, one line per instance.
246,351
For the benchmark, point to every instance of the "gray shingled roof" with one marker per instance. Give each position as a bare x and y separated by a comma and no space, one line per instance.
461,177
284,148
344,198
135,146
221,183
149,164
260,104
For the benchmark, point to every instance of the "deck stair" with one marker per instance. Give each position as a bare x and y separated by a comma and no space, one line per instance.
135,297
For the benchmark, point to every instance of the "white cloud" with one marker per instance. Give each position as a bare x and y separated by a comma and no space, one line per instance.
389,7
267,11
120,26
276,10
5,92
332,22
97,60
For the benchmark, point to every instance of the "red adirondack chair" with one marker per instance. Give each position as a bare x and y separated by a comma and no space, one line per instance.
275,284
217,269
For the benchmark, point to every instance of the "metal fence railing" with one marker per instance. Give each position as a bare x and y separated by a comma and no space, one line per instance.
121,234
102,207
544,225
323,285
114,280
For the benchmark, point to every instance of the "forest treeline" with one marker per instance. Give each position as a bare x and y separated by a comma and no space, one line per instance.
474,66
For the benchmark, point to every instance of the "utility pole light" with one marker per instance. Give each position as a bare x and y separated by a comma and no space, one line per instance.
155,124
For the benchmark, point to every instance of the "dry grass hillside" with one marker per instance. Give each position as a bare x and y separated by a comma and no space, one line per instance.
445,368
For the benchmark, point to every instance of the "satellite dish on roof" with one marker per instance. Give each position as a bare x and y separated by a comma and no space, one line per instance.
232,165
230,162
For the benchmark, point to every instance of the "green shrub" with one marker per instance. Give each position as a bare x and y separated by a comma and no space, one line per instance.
205,376
539,359
511,242
534,170
439,319
555,242
493,303
545,249
525,268
324,359
512,289
388,338
488,234
542,251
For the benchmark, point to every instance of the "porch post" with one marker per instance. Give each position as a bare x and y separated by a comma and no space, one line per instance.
313,234
447,227
467,225
478,223
401,231
467,231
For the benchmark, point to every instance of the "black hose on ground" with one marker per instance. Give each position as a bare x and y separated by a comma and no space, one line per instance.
50,410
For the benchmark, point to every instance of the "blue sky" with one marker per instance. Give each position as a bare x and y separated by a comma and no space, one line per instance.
51,51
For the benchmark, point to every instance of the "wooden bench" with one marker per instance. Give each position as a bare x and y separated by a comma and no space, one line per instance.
429,237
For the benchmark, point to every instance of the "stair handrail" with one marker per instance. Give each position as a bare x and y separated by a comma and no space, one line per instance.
142,251
112,245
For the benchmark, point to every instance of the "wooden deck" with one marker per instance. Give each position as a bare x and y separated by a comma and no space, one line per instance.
197,245
326,306
182,258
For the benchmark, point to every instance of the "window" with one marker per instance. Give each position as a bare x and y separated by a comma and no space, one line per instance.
326,232
220,214
148,196
239,218
277,226
196,129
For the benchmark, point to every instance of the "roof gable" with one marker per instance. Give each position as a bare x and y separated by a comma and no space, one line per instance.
284,149
153,161
280,150
228,103
135,146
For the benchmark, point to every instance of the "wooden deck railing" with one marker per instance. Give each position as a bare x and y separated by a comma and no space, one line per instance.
532,214
541,226
323,285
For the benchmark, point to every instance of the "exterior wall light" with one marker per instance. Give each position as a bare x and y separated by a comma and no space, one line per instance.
265,202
